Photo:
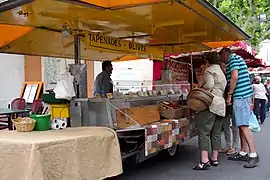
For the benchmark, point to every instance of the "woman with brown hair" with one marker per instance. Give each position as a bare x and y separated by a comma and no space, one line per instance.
209,121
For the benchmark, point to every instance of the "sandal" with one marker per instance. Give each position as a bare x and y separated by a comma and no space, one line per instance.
214,163
232,151
224,150
202,166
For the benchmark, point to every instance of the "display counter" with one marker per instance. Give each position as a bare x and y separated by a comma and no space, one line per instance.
136,140
102,112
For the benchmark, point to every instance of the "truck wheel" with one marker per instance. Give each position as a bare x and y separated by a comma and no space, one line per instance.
172,150
130,163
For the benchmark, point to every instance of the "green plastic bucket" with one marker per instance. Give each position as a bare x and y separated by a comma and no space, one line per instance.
43,122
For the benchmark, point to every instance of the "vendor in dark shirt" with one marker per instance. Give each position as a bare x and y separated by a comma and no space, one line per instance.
230,130
103,82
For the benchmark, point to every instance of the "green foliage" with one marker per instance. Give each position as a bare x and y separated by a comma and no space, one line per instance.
245,14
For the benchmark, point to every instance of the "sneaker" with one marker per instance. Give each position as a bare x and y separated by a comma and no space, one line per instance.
239,157
252,163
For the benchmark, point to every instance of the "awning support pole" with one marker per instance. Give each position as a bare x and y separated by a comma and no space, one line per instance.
192,77
77,48
191,67
77,59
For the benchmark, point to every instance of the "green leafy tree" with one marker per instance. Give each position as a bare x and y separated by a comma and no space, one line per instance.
253,16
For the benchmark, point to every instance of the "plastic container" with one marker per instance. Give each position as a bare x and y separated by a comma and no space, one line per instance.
43,122
50,99
59,110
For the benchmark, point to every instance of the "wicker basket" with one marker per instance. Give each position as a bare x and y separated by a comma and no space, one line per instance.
199,99
24,124
171,113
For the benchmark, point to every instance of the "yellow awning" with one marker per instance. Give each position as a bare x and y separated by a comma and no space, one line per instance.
42,42
145,28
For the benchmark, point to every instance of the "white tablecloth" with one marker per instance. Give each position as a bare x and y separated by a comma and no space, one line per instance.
84,153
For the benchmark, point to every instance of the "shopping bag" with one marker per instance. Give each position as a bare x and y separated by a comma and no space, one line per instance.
64,88
254,125
268,114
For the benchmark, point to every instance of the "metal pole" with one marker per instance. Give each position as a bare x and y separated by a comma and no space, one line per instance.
191,69
191,66
77,58
77,48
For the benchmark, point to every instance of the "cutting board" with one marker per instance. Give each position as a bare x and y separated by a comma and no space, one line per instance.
142,115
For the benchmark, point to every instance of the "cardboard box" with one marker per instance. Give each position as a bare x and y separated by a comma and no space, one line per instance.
143,115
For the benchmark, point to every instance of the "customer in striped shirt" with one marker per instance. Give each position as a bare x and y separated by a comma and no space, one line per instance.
240,96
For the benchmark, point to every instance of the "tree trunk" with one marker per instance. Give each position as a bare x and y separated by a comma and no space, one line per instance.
244,27
266,35
215,3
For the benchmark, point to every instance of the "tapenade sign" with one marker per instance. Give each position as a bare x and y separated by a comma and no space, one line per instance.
181,71
123,46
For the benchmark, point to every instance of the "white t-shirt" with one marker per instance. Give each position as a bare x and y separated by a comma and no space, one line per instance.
259,91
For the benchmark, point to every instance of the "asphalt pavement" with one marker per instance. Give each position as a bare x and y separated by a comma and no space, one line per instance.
180,167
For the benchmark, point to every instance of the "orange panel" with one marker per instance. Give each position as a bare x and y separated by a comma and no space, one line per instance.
214,45
10,33
126,58
120,3
102,3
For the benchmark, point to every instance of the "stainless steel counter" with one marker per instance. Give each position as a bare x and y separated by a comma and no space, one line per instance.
101,112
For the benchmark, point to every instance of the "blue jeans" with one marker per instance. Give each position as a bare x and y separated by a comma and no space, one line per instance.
260,109
242,112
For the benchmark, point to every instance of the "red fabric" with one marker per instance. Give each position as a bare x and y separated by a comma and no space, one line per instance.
37,107
255,62
246,50
157,67
18,103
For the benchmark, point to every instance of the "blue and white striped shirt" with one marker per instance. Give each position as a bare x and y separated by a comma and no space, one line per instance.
243,87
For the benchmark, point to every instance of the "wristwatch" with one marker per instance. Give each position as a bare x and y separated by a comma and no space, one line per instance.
230,94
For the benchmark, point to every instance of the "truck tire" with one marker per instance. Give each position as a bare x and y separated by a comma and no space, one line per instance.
130,163
172,151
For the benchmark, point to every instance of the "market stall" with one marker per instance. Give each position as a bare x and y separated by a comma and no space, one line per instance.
260,70
248,53
198,59
146,122
264,72
255,62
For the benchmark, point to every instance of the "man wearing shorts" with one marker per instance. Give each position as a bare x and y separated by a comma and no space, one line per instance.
240,96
